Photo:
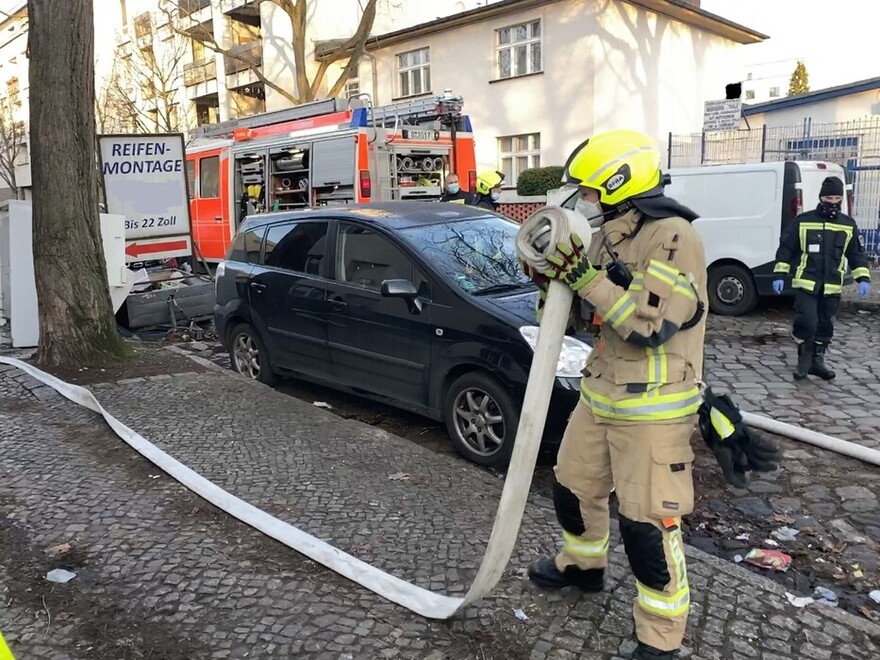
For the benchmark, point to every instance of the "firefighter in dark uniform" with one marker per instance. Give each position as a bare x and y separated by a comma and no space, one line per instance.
814,252
488,191
453,192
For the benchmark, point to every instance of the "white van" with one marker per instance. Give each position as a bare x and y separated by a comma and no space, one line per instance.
743,211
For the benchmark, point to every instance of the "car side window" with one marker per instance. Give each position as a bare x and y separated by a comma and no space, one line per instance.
366,258
297,246
245,246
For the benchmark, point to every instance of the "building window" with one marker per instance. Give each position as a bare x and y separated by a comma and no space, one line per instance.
517,153
414,72
774,92
750,95
519,50
13,91
352,88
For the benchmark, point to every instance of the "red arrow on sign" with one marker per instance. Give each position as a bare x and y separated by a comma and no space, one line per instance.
135,250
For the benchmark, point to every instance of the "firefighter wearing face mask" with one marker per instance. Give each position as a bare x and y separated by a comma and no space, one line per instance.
645,276
814,251
488,190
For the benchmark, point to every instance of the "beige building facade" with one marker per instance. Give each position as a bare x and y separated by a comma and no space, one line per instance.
539,76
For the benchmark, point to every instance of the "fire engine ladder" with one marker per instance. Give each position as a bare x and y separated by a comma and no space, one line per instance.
314,109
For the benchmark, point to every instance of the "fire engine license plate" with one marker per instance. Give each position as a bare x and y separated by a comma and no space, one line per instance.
409,134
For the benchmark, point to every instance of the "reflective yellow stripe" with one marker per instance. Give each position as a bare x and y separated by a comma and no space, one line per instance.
657,369
802,237
683,285
675,604
575,545
5,653
656,407
806,285
620,311
663,272
782,267
721,424
668,606
832,288
861,272
638,282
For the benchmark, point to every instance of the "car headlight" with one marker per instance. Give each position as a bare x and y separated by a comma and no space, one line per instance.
572,357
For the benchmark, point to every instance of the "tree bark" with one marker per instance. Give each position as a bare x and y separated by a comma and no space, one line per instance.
77,325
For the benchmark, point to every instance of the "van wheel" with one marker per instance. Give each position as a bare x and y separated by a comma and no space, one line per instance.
481,419
248,356
732,290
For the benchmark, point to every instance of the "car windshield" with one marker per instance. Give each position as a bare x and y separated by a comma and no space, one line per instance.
479,255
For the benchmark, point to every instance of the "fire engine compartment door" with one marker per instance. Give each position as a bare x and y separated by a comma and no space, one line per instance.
333,162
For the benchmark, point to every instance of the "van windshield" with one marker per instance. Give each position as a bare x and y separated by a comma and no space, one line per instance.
478,255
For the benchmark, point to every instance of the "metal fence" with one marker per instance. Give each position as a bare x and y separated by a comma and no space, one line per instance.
855,145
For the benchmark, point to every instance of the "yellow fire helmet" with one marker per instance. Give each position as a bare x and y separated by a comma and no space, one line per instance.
620,165
488,180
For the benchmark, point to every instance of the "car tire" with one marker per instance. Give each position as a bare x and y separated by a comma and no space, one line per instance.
732,290
481,419
247,355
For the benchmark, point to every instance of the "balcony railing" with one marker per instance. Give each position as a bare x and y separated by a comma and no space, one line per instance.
249,55
143,25
188,7
199,72
227,6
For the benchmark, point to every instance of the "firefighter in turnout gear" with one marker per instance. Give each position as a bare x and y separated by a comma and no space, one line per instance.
645,278
488,190
814,251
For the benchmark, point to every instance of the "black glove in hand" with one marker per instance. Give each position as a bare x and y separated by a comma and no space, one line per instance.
737,449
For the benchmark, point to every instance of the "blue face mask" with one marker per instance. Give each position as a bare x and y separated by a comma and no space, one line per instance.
453,188
495,196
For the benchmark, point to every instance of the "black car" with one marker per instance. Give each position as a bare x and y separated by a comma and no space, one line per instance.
420,306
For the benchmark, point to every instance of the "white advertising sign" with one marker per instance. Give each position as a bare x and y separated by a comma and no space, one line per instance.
145,181
723,115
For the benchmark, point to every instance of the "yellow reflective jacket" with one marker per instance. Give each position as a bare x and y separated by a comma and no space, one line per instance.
645,367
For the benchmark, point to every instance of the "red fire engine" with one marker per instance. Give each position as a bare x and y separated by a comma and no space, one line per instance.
321,154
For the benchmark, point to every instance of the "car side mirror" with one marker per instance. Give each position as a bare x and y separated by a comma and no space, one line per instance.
403,289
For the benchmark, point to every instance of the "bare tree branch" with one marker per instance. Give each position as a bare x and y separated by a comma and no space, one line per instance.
297,13
11,140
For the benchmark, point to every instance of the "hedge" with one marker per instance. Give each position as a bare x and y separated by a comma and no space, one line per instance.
539,180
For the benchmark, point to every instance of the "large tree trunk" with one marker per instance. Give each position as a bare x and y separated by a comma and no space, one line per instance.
77,325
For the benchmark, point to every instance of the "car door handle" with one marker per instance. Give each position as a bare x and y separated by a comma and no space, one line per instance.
218,218
258,287
336,302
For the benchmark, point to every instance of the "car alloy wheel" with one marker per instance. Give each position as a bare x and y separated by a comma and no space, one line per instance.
247,356
479,422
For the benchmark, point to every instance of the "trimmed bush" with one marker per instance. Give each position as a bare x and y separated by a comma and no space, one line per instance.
539,180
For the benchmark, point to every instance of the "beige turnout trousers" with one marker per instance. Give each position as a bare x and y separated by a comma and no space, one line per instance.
650,467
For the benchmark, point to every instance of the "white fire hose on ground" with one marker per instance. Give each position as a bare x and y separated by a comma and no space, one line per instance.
538,236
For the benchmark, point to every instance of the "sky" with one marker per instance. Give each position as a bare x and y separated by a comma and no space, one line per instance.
827,36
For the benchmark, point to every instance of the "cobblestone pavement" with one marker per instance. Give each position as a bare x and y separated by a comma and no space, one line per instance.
830,499
162,574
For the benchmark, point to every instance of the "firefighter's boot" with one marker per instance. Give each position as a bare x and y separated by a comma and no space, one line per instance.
543,572
818,368
805,360
645,652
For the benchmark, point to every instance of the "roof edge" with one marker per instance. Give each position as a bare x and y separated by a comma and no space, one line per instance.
847,89
676,9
